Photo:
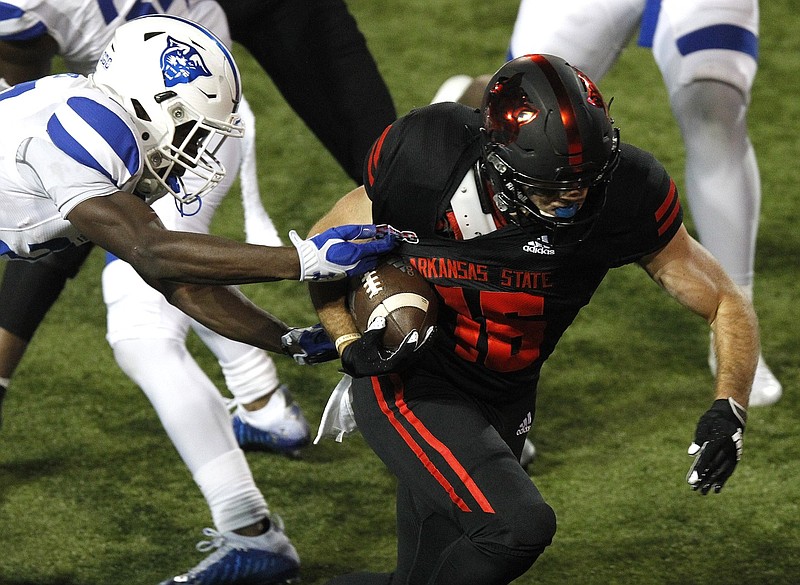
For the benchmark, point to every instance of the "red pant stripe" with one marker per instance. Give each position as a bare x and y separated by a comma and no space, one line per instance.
443,450
416,449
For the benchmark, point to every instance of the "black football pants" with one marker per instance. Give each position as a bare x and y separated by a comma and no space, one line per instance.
467,512
318,59
29,289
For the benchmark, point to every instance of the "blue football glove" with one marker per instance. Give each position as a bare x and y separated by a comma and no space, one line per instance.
368,357
331,255
717,446
308,345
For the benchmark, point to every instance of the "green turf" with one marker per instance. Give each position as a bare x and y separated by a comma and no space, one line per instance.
92,492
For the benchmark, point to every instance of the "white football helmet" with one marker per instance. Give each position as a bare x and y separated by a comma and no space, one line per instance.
182,88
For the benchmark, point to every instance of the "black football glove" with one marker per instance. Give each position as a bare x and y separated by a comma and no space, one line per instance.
308,345
717,446
368,357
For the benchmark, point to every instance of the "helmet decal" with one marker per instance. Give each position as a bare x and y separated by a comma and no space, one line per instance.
593,97
181,63
508,110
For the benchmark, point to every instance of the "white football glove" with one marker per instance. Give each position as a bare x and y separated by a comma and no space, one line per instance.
331,255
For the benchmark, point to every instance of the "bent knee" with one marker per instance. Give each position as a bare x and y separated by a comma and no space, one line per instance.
535,527
525,533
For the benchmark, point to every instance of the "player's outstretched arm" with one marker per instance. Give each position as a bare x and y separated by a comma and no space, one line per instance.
124,225
690,274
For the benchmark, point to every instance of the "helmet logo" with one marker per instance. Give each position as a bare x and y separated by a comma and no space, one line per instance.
507,110
594,97
181,63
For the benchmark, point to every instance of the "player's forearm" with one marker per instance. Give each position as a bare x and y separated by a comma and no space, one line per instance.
329,300
231,314
737,346
204,259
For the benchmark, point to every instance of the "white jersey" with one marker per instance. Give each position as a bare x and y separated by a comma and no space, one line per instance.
83,28
63,142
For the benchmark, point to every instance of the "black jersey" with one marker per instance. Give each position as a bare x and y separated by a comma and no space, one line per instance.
506,297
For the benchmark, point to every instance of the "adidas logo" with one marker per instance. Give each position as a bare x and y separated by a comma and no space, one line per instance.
525,426
541,245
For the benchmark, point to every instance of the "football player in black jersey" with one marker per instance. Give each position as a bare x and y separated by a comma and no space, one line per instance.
519,210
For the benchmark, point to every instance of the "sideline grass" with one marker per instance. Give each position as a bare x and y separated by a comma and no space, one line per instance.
92,492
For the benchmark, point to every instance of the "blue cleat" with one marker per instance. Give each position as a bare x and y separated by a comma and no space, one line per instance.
268,559
285,435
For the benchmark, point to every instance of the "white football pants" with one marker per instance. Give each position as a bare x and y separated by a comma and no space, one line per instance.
148,337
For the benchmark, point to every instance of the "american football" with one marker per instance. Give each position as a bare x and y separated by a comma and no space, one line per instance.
396,291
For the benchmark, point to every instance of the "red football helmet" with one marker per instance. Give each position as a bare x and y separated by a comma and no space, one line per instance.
547,129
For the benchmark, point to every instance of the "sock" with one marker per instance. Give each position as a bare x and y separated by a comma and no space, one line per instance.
250,372
228,486
264,417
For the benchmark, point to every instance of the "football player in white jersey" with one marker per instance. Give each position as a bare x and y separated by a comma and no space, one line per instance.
707,53
79,30
81,157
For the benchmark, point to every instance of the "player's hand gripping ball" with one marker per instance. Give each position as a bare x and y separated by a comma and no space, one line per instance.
396,291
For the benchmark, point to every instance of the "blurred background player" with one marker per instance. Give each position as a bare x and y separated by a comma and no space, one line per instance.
287,37
707,53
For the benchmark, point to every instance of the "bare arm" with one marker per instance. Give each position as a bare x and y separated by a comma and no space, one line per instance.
167,261
689,273
26,60
127,227
227,311
329,298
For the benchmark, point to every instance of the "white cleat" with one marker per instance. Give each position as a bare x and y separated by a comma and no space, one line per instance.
452,89
528,454
766,389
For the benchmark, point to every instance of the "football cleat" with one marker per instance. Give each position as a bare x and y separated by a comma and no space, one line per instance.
285,435
528,454
452,89
766,388
268,559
